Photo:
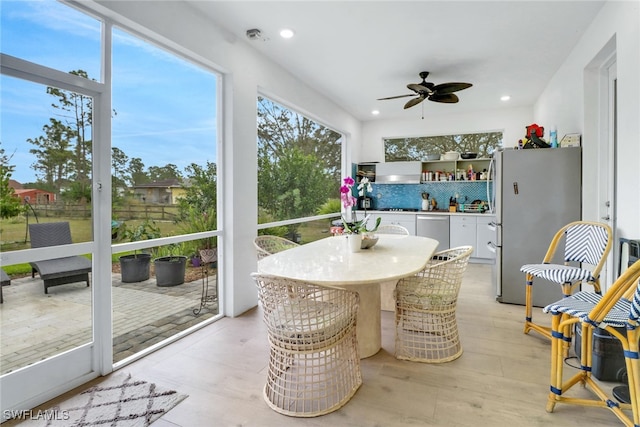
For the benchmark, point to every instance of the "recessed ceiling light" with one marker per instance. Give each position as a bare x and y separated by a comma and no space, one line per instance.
375,112
505,98
286,33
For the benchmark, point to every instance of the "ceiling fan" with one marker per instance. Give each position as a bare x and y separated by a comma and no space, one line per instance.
427,90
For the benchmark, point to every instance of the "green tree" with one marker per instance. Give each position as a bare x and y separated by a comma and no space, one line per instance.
10,205
294,186
54,160
161,173
280,128
298,162
200,188
77,112
119,162
136,172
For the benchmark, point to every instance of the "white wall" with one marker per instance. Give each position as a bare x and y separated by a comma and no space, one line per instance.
569,102
511,121
245,73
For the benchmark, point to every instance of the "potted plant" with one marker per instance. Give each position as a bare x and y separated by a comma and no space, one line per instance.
135,267
170,269
197,221
358,235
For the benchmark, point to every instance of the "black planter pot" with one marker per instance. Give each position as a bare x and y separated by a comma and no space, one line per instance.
170,270
135,268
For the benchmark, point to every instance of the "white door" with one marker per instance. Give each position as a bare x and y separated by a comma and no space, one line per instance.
53,338
607,163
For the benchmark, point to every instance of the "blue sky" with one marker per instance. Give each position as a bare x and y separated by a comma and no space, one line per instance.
165,106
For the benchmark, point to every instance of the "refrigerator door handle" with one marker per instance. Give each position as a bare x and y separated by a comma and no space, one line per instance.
490,200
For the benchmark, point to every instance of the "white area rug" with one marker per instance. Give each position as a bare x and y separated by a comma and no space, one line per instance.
119,401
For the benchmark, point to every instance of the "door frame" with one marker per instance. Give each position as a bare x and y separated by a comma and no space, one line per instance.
33,384
607,149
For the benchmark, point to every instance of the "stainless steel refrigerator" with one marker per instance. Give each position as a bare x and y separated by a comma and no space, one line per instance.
536,192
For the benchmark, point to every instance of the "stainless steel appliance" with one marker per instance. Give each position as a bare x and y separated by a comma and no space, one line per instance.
536,192
398,172
435,227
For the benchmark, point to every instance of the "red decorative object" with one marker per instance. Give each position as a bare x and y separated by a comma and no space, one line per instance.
534,128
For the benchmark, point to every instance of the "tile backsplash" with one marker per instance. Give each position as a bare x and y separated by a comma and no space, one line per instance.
410,195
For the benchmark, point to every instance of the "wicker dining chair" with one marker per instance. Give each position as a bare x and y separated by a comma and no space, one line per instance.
267,245
425,310
617,309
392,229
584,242
314,365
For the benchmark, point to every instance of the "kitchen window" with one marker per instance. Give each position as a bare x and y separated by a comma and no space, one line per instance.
417,148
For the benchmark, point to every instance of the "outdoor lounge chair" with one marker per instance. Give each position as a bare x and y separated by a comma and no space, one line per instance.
58,271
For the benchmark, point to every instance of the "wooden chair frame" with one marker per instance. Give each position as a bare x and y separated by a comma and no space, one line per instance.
591,311
567,287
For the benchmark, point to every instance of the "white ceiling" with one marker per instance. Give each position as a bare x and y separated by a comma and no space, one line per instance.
357,51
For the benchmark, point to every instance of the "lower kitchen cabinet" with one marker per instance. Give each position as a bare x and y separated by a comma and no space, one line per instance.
485,235
472,230
462,231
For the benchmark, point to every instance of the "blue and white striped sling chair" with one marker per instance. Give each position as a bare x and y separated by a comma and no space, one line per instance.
618,308
584,242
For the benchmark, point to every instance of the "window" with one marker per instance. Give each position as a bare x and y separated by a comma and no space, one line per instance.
400,149
164,183
43,31
299,172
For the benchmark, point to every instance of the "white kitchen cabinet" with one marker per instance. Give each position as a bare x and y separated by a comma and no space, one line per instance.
463,231
472,230
485,235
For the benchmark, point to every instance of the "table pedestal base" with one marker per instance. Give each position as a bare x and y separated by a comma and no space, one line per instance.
368,329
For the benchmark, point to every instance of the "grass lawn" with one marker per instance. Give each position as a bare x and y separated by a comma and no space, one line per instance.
14,236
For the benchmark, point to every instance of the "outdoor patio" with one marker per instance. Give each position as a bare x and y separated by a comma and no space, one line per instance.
35,326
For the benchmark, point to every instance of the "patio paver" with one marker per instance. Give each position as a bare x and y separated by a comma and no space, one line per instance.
34,326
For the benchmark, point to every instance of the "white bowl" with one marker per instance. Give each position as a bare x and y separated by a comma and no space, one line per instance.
450,155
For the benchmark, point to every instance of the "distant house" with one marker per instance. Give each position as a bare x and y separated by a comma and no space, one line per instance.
165,192
32,196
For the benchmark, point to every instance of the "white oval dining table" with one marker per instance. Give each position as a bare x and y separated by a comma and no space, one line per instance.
329,262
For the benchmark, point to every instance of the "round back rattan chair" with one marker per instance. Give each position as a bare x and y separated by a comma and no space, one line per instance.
314,365
425,309
392,229
267,245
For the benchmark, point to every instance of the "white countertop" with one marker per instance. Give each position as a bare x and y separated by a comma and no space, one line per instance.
442,212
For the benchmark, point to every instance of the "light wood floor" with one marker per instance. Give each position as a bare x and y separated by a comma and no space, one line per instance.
500,380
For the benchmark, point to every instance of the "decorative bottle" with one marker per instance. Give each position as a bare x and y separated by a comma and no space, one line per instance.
553,137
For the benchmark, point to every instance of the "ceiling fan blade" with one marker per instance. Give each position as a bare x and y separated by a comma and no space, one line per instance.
399,96
420,88
448,98
450,87
413,102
